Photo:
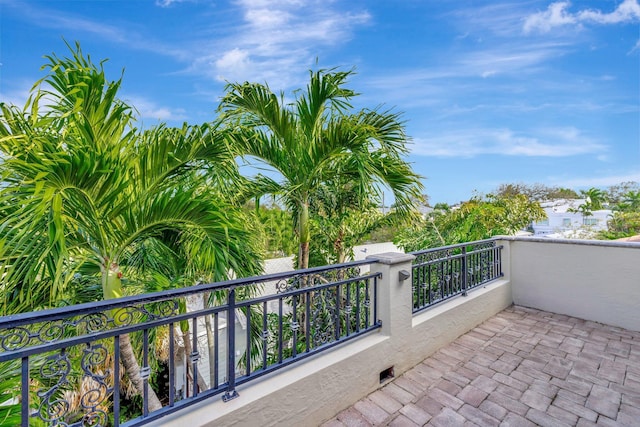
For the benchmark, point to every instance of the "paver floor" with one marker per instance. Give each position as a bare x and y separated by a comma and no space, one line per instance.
523,367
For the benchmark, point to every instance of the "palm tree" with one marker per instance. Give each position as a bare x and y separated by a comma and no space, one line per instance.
630,202
315,139
82,188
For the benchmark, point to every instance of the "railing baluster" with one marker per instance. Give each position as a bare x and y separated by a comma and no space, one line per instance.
248,336
294,327
145,372
172,365
307,319
463,262
231,392
280,330
24,392
357,284
216,351
195,355
265,335
336,314
116,380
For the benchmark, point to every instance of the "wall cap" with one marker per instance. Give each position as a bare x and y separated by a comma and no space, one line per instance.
391,258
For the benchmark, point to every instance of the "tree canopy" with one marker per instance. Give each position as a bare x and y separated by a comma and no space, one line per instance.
317,141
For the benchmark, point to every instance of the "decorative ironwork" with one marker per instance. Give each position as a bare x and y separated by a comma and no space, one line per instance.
24,336
93,359
55,370
442,273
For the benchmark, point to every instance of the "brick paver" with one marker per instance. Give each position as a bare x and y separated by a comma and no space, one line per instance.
523,367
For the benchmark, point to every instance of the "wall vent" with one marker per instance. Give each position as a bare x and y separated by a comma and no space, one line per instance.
386,375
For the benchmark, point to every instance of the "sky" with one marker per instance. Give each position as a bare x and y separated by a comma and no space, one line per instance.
492,92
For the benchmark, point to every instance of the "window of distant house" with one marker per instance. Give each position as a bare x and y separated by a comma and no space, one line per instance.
590,221
543,222
566,222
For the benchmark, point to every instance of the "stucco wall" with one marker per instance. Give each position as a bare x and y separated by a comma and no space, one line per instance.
591,280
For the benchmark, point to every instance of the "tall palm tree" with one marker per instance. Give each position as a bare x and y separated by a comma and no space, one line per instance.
81,187
316,138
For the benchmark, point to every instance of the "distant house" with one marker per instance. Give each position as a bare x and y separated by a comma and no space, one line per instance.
562,221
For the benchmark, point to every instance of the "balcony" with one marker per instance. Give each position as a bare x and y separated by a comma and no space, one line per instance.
411,329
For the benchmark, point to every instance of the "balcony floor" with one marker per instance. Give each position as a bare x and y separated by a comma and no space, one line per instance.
523,367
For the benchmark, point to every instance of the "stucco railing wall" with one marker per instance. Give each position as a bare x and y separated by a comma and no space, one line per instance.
591,280
316,389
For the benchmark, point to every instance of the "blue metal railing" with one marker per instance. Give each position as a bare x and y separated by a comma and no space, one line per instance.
66,365
443,273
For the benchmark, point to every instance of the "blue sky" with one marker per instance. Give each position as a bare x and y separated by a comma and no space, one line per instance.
493,92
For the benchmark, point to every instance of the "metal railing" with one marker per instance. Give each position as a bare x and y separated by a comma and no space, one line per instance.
67,364
445,272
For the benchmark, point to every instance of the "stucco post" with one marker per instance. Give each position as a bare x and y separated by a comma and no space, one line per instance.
505,256
394,294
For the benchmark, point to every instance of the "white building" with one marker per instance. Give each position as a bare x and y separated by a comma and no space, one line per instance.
562,221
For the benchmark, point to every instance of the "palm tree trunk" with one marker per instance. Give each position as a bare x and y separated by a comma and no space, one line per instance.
132,368
304,234
112,288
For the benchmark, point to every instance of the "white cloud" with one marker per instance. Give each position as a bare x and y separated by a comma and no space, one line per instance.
558,14
276,41
167,3
554,142
627,11
148,109
598,181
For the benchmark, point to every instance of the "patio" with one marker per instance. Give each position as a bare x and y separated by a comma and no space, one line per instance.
522,367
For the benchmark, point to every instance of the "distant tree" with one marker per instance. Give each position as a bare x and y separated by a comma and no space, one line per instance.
594,200
441,207
616,193
539,192
630,202
622,224
476,219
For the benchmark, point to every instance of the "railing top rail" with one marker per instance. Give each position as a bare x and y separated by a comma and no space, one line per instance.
458,245
100,306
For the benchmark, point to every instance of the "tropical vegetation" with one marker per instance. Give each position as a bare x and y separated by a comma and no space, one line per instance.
477,219
317,144
87,198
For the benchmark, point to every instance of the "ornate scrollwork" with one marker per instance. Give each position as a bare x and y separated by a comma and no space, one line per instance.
97,391
323,314
15,339
55,370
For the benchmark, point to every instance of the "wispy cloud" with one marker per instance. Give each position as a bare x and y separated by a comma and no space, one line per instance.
558,15
167,3
276,40
598,181
148,109
51,18
554,142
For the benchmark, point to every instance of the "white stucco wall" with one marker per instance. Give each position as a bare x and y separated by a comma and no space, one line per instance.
591,280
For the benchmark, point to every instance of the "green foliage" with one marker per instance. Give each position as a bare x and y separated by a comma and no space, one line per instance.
630,202
622,224
538,192
616,193
276,231
476,219
82,187
315,139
